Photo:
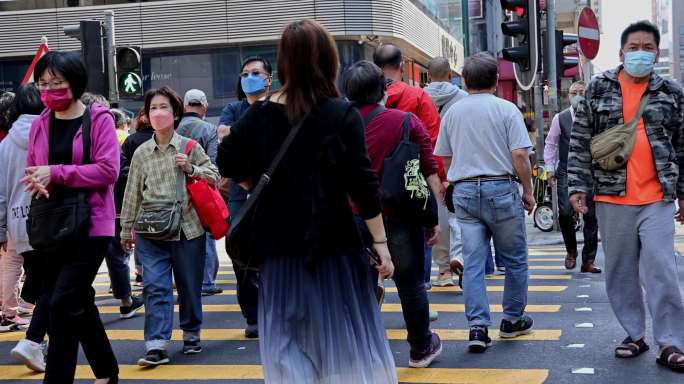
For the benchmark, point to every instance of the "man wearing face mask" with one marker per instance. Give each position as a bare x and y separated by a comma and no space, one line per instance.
254,84
557,146
635,201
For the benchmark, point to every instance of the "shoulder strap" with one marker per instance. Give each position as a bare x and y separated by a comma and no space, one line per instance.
407,126
642,106
180,174
85,134
266,177
372,114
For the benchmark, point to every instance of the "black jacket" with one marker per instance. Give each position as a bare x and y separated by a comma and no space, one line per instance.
305,208
127,150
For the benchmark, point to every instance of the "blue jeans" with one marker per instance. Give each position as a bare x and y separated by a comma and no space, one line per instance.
485,210
185,259
117,266
211,264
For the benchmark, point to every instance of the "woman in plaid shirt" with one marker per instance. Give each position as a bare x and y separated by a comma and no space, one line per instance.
152,177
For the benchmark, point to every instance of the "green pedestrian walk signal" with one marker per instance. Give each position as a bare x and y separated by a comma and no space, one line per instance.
129,72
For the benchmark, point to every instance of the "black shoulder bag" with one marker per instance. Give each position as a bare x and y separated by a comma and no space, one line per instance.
53,221
403,187
237,240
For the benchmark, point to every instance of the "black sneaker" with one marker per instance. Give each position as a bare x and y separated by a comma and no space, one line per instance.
154,357
191,347
423,358
521,327
211,291
130,311
252,331
479,339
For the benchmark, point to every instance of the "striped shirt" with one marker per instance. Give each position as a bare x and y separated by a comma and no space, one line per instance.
152,177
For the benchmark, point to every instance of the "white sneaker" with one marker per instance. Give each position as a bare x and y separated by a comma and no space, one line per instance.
30,354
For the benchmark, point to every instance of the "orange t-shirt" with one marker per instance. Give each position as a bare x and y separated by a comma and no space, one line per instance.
643,185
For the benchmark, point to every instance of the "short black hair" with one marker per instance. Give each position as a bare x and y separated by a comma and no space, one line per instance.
640,26
174,100
480,71
388,55
267,67
67,64
26,102
364,83
6,101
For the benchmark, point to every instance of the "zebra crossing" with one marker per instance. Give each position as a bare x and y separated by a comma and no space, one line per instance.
229,357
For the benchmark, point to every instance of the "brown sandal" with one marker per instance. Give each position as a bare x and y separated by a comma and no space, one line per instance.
666,359
635,348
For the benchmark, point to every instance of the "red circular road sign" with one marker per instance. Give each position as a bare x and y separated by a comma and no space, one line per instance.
588,33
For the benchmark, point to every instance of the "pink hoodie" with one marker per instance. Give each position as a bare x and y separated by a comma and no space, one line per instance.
99,176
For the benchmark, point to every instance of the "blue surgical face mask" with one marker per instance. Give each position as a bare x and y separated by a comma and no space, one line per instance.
639,63
253,84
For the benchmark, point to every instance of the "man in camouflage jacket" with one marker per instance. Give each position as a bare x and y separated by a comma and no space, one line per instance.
634,204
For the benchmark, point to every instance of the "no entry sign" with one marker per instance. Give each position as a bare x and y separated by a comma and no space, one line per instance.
588,33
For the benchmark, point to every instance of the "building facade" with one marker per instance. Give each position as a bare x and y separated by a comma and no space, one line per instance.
668,15
201,43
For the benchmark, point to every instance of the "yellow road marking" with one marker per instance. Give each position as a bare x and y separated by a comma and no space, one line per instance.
534,277
494,288
385,308
254,372
491,288
225,281
239,335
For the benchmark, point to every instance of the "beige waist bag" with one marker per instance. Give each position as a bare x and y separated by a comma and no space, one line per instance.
613,147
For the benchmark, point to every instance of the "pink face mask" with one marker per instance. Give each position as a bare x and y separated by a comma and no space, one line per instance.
57,99
161,119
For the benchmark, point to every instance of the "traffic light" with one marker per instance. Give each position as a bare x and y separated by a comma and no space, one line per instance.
90,33
129,72
522,28
564,62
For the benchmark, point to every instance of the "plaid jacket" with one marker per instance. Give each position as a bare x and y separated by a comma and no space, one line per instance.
601,109
152,177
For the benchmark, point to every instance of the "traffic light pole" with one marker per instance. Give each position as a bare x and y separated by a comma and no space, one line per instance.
551,74
111,57
539,120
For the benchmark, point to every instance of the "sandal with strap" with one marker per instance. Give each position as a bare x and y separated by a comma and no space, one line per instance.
666,358
634,348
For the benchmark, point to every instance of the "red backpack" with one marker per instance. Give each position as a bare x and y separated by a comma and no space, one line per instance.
209,204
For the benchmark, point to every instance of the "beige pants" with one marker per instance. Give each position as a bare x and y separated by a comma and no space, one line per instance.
10,272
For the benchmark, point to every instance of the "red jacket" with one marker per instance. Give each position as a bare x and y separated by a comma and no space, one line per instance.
415,100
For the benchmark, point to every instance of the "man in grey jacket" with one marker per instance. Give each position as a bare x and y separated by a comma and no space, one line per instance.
194,126
448,249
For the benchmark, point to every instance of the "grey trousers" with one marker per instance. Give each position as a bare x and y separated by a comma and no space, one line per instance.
638,242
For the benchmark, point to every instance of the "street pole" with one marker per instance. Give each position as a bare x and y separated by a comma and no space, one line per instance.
111,58
466,28
551,75
539,120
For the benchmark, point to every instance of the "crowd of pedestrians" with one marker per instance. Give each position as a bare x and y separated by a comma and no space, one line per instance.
338,189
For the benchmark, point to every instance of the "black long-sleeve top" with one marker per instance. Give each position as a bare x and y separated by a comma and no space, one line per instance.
305,209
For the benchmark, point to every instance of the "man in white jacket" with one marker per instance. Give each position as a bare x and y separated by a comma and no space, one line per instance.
14,207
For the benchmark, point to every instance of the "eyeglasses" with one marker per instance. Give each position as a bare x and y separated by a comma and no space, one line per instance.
51,84
254,73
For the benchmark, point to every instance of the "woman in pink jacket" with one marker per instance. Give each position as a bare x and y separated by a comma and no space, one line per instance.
56,169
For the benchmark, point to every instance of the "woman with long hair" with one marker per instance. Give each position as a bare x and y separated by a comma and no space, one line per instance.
319,321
